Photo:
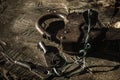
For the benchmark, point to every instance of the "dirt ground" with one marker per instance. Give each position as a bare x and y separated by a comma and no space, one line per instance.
17,29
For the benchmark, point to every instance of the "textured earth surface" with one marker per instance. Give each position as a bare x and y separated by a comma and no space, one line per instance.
17,30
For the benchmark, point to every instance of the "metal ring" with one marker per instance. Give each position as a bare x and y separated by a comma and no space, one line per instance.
41,20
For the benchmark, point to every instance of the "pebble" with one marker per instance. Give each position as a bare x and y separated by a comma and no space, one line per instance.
117,24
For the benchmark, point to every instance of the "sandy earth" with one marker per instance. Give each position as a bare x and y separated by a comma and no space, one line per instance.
17,19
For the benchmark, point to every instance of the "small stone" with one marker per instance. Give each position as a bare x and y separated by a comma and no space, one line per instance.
62,37
117,25
65,31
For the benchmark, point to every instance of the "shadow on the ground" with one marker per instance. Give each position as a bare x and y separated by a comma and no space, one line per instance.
105,49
